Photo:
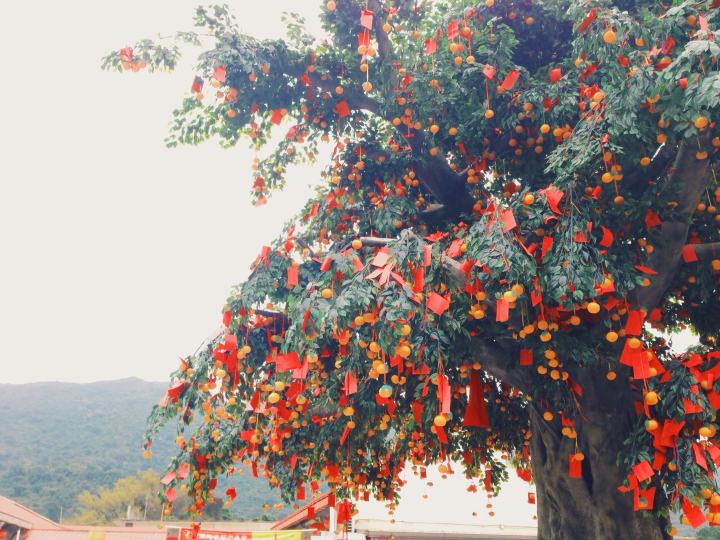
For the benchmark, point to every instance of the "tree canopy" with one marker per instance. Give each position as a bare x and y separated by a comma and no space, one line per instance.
517,191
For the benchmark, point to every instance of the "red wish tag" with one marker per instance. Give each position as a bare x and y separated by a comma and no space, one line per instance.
437,303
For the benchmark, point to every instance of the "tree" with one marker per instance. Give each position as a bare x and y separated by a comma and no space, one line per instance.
138,491
708,534
517,190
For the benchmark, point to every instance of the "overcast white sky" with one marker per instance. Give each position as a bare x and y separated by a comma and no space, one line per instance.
117,253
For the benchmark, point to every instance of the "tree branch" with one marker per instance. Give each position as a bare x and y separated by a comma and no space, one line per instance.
380,34
706,252
691,176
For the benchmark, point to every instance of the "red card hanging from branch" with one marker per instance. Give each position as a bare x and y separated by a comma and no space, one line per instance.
219,73
343,109
555,75
689,254
430,46
437,303
292,276
575,467
489,71
509,220
476,411
503,308
607,237
366,18
510,79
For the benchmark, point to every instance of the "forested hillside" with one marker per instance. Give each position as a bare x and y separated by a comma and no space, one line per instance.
60,439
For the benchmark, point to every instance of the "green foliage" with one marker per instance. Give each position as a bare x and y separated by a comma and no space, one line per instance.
709,533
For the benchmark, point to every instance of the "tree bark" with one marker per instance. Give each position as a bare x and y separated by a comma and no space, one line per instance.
590,506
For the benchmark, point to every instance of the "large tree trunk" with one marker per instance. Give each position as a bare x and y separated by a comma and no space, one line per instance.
590,507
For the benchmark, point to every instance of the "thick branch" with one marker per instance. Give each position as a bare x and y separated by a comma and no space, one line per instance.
707,252
691,176
380,34
494,359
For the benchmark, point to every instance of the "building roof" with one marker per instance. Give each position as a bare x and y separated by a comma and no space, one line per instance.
12,509
96,533
307,512
36,527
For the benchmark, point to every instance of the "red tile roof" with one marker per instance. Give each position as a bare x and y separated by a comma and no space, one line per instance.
45,529
11,508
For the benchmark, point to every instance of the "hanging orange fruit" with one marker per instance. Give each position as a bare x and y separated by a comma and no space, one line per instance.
609,36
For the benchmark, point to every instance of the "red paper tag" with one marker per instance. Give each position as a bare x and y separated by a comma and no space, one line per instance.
688,254
643,470
437,303
510,79
575,467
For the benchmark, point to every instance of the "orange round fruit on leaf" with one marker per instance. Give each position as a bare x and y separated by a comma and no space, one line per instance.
452,131
470,59
529,20
701,122
326,293
645,161
489,113
548,416
634,343
440,420
651,398
544,128
701,155
199,96
593,307
489,3
331,5
387,27
434,128
367,86
611,336
252,77
458,60
619,200
579,456
528,199
705,432
611,375
609,36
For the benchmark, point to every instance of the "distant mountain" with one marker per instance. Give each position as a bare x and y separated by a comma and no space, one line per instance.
60,439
